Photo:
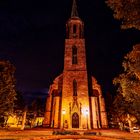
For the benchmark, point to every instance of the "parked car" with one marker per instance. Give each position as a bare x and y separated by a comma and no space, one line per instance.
136,130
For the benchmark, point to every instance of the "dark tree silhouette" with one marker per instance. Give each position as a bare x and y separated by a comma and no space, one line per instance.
128,84
7,88
128,11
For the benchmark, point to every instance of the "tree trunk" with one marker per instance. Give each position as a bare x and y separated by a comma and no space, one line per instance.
129,122
24,118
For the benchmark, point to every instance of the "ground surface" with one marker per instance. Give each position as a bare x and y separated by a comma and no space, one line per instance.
43,134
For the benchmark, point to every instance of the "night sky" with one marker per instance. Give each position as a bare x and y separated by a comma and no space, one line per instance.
32,35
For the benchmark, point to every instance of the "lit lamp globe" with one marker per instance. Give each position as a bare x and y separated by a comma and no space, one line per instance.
86,112
63,112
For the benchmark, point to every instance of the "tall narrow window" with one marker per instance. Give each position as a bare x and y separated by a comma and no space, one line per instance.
74,88
80,35
74,55
74,29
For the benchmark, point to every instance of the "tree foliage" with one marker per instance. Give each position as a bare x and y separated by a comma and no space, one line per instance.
131,63
19,103
7,87
128,84
128,11
121,108
37,107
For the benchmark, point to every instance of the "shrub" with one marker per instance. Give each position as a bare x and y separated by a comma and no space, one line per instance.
65,132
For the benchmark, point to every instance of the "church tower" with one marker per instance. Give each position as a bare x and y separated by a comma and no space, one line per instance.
75,100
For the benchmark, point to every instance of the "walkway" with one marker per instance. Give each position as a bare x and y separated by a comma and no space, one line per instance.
44,134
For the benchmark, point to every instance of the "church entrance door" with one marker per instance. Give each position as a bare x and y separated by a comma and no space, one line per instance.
75,120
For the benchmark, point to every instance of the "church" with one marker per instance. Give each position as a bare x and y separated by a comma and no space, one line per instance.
75,99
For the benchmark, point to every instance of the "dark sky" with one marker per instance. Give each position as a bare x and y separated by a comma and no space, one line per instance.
32,37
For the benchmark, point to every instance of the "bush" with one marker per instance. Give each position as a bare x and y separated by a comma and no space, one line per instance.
63,132
90,133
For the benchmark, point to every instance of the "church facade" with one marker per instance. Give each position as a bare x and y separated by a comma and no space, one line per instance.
75,99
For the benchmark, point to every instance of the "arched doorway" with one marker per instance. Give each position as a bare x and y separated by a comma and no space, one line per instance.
75,120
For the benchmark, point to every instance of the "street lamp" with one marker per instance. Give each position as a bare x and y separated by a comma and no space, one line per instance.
87,117
63,113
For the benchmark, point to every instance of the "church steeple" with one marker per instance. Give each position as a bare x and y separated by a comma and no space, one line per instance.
74,12
74,26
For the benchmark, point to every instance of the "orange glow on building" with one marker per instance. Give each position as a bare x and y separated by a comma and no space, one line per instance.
75,99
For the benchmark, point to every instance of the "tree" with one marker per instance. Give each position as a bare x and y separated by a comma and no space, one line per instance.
24,118
131,63
128,11
19,103
37,107
128,84
7,87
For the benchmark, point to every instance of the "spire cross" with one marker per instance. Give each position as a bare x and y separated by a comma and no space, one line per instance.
74,12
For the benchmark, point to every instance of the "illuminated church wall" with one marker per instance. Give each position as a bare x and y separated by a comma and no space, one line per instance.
75,99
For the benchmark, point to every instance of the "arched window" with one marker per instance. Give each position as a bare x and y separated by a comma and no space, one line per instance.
74,88
74,29
74,55
80,32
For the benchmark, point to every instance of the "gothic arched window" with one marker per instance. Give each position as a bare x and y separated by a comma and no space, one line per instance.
74,55
74,88
74,29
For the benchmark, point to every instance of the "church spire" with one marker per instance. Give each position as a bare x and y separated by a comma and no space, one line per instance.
74,12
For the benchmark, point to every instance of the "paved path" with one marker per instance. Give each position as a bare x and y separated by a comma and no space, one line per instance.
43,134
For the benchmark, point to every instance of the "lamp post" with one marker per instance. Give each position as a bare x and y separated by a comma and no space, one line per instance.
63,113
87,117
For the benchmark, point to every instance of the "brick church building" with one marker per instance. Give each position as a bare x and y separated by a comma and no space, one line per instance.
75,98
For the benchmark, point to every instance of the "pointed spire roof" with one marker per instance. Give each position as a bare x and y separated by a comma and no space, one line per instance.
74,12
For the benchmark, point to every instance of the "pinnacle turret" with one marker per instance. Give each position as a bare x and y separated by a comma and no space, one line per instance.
74,12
